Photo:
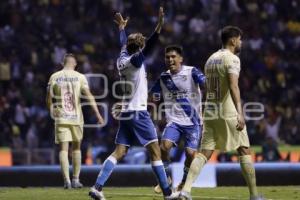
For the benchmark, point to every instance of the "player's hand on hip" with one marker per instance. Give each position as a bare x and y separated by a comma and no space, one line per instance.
241,122
120,21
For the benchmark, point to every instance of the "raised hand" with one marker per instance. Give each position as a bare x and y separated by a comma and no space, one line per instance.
120,21
161,19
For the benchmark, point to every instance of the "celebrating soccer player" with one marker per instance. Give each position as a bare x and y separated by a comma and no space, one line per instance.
180,88
137,124
224,123
65,88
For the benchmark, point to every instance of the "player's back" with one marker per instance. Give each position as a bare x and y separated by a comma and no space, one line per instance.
65,88
217,69
134,84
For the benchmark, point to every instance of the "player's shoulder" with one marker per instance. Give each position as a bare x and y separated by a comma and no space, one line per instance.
187,67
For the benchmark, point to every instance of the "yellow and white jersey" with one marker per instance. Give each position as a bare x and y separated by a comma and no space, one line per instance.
217,69
65,88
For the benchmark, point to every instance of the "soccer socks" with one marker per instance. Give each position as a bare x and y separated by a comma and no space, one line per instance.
107,169
167,168
185,173
249,173
195,168
159,171
76,161
64,164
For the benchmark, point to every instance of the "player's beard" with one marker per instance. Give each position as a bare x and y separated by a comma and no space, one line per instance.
237,50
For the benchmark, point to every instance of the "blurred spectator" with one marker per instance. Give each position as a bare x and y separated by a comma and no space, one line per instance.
270,151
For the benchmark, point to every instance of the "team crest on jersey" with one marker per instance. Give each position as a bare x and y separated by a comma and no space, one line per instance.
183,77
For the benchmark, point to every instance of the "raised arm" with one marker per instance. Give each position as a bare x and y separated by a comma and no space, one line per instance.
154,37
122,23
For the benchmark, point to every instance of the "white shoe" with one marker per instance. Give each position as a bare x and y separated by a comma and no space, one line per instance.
76,184
95,194
174,195
67,185
185,196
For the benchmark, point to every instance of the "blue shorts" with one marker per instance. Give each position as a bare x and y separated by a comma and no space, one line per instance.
191,135
137,126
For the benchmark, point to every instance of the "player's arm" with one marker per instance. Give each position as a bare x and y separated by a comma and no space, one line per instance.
233,71
155,92
138,58
122,23
92,103
48,98
154,37
85,90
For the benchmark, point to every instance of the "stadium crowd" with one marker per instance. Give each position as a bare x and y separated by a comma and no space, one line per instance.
34,36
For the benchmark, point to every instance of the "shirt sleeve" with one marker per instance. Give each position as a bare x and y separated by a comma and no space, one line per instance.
234,65
84,82
137,59
198,76
156,88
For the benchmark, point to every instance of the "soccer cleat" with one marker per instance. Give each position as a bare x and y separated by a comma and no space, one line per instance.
95,194
257,197
185,196
174,195
76,184
67,185
180,186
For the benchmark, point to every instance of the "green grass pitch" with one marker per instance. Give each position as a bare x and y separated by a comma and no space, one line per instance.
146,193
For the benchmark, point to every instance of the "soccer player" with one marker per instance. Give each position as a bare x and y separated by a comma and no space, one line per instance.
137,124
65,88
180,88
224,123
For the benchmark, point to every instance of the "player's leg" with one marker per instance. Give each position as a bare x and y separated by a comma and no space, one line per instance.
158,167
208,145
190,155
77,135
165,147
195,168
108,167
76,162
62,137
64,163
109,164
192,135
248,171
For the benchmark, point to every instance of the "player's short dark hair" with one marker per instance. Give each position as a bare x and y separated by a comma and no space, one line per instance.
178,49
66,56
135,42
229,32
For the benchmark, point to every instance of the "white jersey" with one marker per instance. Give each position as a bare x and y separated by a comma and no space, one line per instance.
182,95
134,83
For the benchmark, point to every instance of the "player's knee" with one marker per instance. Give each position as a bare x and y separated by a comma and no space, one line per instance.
119,153
164,148
243,151
190,153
